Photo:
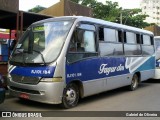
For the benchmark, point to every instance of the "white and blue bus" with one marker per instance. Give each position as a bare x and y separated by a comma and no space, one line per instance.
60,60
157,56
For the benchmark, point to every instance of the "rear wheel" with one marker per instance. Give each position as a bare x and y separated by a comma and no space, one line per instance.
70,96
134,82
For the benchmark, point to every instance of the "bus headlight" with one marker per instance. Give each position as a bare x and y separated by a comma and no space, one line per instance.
55,79
9,76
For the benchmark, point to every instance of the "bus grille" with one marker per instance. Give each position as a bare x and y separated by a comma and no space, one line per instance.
24,90
25,79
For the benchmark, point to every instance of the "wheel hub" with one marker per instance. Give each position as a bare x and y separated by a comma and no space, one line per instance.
70,96
134,82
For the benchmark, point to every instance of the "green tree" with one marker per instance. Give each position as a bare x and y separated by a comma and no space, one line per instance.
37,9
133,17
107,11
111,11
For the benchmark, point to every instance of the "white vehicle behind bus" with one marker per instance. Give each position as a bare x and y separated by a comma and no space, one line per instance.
157,55
60,60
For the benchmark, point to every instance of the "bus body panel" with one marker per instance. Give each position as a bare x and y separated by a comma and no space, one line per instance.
37,91
102,74
96,68
45,72
104,82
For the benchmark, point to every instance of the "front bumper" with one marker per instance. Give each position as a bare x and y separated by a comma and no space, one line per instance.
45,92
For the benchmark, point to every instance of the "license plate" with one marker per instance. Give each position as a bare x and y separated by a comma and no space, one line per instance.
24,95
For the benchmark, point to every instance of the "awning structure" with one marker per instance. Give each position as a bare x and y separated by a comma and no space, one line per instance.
27,18
13,19
7,19
8,13
20,20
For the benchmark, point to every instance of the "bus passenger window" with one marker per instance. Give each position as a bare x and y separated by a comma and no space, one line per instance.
120,36
130,37
82,44
112,37
146,40
147,46
80,47
138,38
101,34
72,46
125,39
132,44
152,41
89,41
80,41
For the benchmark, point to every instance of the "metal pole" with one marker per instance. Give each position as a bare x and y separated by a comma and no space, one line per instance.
21,30
17,27
121,18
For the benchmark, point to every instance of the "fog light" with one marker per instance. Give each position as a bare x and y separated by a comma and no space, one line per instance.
58,79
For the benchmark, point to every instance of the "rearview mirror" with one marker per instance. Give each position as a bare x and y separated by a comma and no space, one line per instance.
12,44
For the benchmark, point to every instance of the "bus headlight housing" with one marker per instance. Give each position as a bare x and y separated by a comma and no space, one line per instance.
55,79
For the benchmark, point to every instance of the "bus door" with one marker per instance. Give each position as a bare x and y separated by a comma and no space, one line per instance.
82,59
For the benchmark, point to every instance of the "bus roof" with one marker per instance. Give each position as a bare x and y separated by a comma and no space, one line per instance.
97,21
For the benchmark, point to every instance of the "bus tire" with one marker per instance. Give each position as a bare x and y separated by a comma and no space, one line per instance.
70,96
134,83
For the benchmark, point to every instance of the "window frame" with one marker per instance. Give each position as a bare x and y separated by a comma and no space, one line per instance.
74,34
137,42
144,45
119,39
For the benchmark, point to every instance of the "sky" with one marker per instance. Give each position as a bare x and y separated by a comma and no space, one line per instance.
128,3
25,5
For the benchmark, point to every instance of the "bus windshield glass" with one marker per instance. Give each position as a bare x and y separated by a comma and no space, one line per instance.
41,43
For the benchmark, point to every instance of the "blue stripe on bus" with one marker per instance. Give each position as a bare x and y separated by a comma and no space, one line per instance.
88,69
149,64
46,72
97,68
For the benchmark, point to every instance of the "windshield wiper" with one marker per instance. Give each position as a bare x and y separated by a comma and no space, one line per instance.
41,56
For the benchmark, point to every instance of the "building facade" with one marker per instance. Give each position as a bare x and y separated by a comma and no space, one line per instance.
67,8
151,8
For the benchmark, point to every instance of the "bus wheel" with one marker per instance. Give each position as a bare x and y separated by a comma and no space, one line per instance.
70,96
134,82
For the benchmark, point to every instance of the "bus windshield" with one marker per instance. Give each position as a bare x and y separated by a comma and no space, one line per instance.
41,43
